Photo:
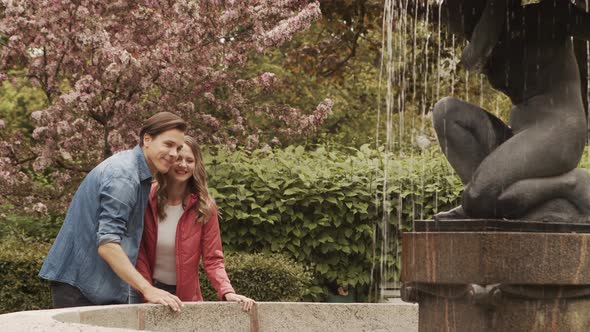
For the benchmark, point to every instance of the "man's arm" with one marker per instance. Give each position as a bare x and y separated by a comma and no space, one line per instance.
118,200
485,35
114,255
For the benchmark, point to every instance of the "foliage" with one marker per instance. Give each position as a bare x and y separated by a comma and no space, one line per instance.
20,287
18,100
30,228
323,207
263,278
103,67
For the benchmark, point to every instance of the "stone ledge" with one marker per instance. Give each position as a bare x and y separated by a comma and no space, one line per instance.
219,317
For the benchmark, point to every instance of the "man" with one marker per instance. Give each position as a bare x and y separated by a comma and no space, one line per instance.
92,259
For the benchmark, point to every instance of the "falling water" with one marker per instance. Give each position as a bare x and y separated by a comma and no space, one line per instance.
398,26
391,20
402,73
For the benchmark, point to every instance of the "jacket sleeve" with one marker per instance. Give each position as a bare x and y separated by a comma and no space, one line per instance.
143,265
213,261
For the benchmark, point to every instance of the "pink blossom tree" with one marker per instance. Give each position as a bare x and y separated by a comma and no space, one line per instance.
104,66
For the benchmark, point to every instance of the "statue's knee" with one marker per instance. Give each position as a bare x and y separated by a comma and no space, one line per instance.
443,112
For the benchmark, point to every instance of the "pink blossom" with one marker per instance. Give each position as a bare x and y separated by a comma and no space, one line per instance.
40,208
210,121
253,141
36,116
39,132
107,65
209,96
284,30
268,79
41,163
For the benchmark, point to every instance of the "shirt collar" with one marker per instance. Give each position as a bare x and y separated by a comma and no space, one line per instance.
144,169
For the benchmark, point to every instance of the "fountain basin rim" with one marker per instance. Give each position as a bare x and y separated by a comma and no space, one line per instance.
499,225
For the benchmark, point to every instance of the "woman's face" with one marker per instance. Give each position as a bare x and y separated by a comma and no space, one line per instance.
184,167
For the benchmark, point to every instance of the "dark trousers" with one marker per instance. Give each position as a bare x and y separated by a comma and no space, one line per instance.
169,288
66,296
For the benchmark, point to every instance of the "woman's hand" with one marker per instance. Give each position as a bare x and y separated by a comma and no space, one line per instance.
246,302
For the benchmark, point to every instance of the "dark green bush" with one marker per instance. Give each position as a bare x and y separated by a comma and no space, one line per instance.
27,228
20,287
262,277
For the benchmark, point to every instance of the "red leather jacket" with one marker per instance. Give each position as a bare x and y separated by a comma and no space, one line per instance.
193,241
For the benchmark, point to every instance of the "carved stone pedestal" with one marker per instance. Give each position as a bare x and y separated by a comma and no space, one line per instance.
490,275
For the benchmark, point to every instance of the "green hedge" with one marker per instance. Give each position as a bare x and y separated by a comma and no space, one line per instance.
30,229
263,278
324,207
20,287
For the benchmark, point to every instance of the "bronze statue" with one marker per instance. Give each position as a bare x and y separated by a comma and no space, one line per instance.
527,169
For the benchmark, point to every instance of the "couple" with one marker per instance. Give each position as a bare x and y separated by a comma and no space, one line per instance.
103,234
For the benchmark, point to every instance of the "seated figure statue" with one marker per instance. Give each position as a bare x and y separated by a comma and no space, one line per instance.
525,170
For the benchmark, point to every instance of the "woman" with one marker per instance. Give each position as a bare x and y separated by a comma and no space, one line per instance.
180,227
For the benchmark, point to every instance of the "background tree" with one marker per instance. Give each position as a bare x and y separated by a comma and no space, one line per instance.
103,66
341,57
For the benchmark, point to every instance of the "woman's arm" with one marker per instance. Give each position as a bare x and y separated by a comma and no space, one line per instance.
142,265
485,35
212,253
214,266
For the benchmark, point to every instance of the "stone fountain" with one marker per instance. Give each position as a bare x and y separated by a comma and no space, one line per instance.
514,255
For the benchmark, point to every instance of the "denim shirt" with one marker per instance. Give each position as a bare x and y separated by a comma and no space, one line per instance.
108,207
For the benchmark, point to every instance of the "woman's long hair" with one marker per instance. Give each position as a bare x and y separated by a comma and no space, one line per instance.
197,184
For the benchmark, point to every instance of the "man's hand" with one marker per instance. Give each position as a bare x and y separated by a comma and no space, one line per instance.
117,259
160,296
246,302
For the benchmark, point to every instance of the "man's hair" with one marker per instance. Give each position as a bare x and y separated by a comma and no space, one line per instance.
159,123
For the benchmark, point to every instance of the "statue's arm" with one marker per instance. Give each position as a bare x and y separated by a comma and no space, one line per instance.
581,23
485,36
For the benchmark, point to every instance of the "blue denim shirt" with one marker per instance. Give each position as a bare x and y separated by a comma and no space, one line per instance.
108,207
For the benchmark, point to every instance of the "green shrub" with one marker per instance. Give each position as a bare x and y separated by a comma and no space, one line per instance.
20,287
324,207
30,229
262,277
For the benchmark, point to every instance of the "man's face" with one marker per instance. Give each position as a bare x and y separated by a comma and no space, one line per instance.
162,151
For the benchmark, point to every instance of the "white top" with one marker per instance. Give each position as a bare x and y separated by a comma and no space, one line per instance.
165,269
